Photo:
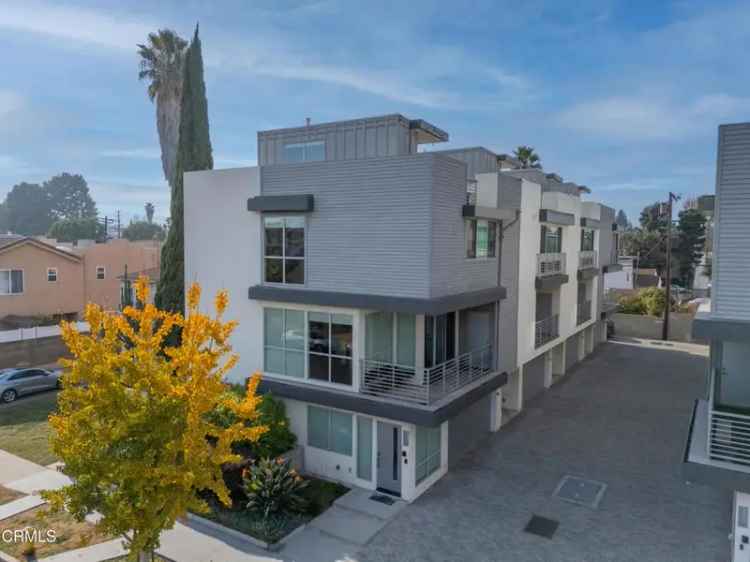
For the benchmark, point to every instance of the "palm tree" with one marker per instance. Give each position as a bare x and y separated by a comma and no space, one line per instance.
527,157
161,63
149,212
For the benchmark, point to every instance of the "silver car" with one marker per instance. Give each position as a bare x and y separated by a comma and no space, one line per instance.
17,382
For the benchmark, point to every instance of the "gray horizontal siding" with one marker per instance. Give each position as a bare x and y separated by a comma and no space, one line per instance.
451,271
478,160
371,228
345,140
731,272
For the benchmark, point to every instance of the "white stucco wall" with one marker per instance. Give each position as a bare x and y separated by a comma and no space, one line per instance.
222,251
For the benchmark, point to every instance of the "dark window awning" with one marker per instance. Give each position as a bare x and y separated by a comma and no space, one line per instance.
281,203
556,217
412,305
490,213
590,223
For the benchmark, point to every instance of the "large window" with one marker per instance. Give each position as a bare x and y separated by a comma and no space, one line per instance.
312,151
11,281
52,274
391,337
551,241
428,451
330,347
316,345
284,342
587,239
329,430
101,272
284,249
481,239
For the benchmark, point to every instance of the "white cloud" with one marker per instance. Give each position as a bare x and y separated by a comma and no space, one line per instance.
273,54
644,118
76,24
144,153
10,102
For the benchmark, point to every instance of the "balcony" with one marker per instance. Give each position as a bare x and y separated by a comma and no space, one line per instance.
424,386
587,259
550,264
584,312
546,330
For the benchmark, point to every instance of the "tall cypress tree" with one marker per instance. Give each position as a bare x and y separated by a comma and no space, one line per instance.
193,153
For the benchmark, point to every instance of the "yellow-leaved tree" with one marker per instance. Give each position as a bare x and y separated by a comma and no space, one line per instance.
132,425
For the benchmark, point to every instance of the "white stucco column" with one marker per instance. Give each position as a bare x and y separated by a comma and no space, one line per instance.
496,410
548,368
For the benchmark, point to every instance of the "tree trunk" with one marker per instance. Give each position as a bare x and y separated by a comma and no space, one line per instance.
145,556
168,127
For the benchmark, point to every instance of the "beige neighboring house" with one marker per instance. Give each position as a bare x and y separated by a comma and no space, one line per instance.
127,283
104,264
40,278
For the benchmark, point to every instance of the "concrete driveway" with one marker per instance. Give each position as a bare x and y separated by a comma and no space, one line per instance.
620,418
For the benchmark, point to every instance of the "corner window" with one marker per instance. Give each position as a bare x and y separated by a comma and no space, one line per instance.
329,430
428,451
551,240
52,274
481,239
312,151
587,239
11,281
316,345
284,250
100,272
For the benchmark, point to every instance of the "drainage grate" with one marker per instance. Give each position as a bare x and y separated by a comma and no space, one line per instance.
382,499
541,526
581,491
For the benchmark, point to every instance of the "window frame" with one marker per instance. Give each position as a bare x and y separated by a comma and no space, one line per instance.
585,232
544,231
471,239
104,273
306,150
284,258
305,350
10,272
52,270
431,455
329,446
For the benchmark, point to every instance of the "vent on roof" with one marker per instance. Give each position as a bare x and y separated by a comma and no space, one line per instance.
580,491
541,526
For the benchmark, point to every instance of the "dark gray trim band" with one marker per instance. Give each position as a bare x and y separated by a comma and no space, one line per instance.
612,267
556,217
491,213
709,327
377,302
429,416
588,273
281,203
550,281
590,223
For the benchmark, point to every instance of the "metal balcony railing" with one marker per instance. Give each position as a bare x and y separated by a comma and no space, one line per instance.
729,437
426,385
584,312
550,264
547,330
587,259
471,192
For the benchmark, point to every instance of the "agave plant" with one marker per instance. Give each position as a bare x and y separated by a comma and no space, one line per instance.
273,487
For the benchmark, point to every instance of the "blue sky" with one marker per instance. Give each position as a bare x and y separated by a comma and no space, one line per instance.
624,97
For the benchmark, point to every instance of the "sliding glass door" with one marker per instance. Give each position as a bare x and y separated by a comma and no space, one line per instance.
391,338
439,338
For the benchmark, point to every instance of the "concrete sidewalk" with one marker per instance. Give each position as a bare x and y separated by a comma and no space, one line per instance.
13,467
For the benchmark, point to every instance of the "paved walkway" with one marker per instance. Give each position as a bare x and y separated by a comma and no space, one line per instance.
13,467
620,417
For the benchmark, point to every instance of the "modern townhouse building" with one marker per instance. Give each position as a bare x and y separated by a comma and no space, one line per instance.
718,445
395,298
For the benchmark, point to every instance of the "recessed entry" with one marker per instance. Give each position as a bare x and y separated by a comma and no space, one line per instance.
581,491
541,526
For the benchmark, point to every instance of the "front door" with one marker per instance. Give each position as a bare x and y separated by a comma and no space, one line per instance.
741,530
389,465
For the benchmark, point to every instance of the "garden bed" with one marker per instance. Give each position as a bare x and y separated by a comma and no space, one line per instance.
8,495
320,494
69,533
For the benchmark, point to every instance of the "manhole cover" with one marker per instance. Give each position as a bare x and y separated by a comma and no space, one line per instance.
541,526
580,490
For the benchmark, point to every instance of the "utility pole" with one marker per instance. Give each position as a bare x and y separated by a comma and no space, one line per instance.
118,223
668,304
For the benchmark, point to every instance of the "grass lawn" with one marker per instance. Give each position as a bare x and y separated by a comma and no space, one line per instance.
8,495
23,427
69,533
320,494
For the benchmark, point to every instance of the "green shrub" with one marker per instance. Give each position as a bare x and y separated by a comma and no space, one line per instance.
272,487
648,301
